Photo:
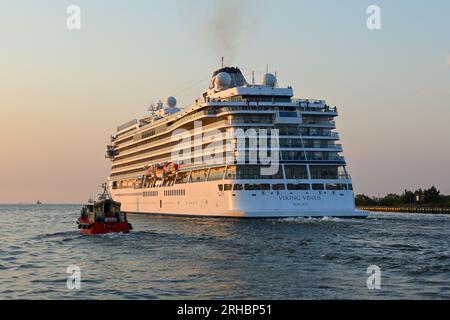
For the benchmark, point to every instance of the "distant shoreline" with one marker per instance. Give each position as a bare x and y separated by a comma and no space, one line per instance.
425,210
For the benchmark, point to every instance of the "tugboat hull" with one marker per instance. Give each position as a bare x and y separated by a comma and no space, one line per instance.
104,227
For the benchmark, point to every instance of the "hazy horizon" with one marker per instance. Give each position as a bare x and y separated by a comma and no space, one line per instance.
63,93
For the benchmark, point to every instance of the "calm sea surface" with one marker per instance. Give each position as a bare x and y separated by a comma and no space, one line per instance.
199,258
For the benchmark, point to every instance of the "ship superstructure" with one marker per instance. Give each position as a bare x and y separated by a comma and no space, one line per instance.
240,150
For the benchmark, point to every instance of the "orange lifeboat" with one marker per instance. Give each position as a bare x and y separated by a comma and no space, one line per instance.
161,171
171,169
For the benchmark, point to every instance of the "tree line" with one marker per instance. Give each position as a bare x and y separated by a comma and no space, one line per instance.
431,197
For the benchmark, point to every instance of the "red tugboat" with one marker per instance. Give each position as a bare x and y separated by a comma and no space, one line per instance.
103,216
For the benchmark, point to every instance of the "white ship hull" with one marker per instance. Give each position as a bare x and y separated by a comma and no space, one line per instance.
205,199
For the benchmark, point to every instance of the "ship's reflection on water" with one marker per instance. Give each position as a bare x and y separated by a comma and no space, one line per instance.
189,258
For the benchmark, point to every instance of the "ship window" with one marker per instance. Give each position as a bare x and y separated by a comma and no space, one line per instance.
216,174
148,134
350,187
199,175
299,186
291,143
293,155
324,172
182,177
220,187
249,172
318,186
288,114
296,172
231,173
289,131
227,187
252,118
265,186
336,186
279,186
252,187
238,187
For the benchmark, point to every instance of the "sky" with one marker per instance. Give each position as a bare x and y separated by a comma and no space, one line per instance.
63,92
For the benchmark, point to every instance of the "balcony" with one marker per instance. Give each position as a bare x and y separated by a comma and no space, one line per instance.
319,124
344,176
337,159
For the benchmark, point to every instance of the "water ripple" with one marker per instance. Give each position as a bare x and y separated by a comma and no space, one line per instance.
174,258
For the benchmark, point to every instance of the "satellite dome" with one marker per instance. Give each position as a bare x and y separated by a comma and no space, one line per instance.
171,102
222,81
269,80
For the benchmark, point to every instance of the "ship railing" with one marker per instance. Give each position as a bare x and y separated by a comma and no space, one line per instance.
312,122
243,108
334,146
340,159
270,108
321,109
308,101
344,176
332,134
327,146
162,142
127,125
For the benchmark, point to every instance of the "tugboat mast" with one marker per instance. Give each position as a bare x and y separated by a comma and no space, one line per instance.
105,195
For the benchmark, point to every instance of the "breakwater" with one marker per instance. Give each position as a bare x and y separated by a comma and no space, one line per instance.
408,209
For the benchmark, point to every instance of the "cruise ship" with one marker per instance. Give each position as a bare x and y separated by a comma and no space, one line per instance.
241,150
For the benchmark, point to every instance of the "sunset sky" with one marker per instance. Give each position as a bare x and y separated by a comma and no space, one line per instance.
63,92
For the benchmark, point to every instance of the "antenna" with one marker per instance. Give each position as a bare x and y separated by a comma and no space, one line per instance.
267,68
222,62
253,77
